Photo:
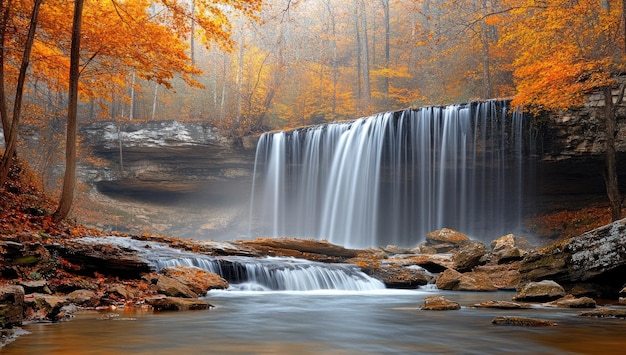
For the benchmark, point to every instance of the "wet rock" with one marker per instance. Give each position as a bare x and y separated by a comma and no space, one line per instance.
431,262
522,322
443,241
503,277
507,255
510,241
394,250
595,256
86,298
570,301
542,291
160,303
43,307
439,303
171,287
310,249
107,259
197,280
404,277
501,305
469,255
121,291
37,286
11,306
455,281
605,313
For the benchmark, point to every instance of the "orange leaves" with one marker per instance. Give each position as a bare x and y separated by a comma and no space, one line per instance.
562,50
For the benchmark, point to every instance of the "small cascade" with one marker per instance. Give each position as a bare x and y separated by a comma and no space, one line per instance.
257,274
394,177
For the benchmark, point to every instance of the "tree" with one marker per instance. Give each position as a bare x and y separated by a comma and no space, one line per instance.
11,142
69,179
564,50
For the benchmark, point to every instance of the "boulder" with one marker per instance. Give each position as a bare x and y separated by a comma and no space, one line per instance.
595,256
507,255
455,281
161,303
405,277
197,280
11,306
546,290
469,255
44,307
570,301
439,303
509,241
446,235
86,298
522,321
503,276
443,241
172,287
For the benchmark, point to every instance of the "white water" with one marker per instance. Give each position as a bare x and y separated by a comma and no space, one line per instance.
393,177
254,274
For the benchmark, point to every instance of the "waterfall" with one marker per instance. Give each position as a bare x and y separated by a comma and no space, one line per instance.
256,274
393,177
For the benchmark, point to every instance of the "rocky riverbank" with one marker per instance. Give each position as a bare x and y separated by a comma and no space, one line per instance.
47,274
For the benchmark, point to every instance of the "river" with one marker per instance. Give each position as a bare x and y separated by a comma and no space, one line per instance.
324,322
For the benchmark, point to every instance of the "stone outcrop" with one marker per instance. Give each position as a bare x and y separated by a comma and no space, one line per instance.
197,280
605,313
311,249
456,281
439,303
11,306
542,291
104,259
596,256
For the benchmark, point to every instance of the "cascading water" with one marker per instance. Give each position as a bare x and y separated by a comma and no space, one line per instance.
256,274
394,177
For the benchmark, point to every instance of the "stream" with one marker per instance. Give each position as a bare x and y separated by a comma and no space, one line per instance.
324,322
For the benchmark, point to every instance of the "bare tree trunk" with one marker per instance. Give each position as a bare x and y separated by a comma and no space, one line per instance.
612,184
357,30
4,112
367,93
154,100
131,111
387,20
11,142
69,179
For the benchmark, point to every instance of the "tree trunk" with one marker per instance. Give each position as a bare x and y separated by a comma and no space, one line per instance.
385,4
367,93
11,142
612,185
4,112
69,180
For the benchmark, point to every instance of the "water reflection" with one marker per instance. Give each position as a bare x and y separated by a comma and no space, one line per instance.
330,322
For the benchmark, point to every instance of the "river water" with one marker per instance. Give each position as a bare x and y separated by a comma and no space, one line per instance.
324,322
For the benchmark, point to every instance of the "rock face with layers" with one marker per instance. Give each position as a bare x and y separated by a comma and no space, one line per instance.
596,256
11,306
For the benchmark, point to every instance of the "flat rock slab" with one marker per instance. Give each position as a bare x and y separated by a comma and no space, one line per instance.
522,322
177,304
439,303
605,313
501,305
